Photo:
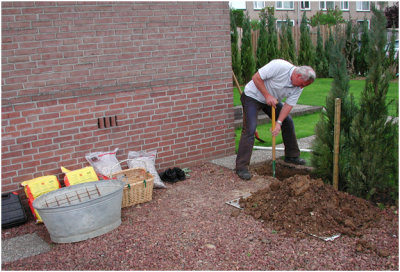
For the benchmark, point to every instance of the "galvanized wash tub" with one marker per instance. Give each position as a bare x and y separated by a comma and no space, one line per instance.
81,211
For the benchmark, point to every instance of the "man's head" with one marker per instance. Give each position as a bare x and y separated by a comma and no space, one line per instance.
303,76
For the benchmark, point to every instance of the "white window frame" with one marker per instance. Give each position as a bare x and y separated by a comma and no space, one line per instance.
240,5
303,4
279,23
322,5
360,6
280,5
344,5
258,5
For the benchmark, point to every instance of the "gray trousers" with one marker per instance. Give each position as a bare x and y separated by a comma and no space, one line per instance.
250,114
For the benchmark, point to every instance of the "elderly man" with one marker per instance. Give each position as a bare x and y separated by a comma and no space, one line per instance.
272,83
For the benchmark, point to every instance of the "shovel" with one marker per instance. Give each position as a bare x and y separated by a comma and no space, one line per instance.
273,142
240,92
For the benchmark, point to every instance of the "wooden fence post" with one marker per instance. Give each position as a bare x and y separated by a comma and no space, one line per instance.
336,144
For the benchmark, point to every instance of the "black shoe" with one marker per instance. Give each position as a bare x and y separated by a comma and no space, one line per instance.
244,174
173,175
180,174
169,176
297,160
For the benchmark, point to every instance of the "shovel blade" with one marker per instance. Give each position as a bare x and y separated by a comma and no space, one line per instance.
273,168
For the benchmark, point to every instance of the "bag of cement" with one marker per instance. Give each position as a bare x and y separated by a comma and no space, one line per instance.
146,159
104,163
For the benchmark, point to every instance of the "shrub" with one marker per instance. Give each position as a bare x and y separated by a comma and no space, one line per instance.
262,42
235,48
351,46
247,58
272,38
322,156
361,66
321,63
373,171
306,52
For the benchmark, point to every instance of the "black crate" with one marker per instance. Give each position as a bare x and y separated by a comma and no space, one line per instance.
12,211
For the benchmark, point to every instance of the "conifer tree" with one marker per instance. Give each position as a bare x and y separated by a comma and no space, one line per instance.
284,42
361,63
247,57
321,63
392,60
322,156
291,43
235,48
272,42
351,45
328,46
306,52
374,139
262,42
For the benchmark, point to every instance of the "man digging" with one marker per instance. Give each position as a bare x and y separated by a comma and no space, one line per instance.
272,83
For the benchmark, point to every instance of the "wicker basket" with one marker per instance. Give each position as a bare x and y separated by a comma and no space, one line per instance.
138,188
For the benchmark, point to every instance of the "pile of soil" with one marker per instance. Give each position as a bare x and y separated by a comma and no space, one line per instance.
283,170
300,205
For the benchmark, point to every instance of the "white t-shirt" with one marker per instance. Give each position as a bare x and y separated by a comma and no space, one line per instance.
276,75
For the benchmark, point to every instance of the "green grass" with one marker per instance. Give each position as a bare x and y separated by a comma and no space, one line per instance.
304,126
236,96
315,94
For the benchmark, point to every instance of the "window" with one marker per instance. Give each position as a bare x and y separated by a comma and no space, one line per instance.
279,23
284,4
360,29
237,4
360,24
305,5
362,5
324,5
344,5
258,5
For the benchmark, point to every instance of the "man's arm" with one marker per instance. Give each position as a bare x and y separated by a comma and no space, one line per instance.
272,101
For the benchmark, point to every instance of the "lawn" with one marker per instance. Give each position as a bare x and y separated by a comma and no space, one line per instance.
315,94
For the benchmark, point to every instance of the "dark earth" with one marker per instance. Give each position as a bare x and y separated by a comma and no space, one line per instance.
298,204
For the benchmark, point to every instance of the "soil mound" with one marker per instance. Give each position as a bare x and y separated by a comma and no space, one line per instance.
300,205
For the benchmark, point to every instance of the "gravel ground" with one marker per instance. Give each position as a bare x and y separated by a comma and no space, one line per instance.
188,226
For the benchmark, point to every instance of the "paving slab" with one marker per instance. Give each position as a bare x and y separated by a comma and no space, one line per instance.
23,246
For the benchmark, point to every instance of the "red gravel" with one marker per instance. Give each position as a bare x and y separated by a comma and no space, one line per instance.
188,226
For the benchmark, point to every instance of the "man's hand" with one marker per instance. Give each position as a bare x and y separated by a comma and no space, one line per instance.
271,101
277,129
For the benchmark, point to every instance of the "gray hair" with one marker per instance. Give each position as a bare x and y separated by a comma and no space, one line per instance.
307,73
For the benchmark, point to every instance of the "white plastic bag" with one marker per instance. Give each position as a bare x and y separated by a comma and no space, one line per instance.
146,159
104,163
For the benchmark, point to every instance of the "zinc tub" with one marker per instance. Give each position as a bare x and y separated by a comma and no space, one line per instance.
81,211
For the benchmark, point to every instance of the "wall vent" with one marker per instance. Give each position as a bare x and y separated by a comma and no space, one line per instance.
107,122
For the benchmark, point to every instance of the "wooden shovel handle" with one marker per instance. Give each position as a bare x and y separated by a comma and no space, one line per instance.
237,83
273,137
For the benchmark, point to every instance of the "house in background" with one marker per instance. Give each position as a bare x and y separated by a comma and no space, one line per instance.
354,10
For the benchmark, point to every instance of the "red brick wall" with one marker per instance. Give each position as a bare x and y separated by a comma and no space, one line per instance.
162,69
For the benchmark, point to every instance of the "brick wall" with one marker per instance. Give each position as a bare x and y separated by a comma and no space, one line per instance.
162,70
